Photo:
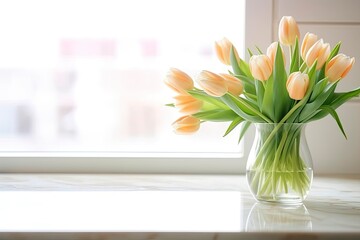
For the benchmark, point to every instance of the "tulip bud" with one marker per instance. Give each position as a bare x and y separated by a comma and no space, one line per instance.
186,125
222,49
338,67
213,84
187,104
288,31
260,67
271,52
308,41
320,51
297,85
178,81
234,84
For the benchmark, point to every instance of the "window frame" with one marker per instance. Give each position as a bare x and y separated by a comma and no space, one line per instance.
169,163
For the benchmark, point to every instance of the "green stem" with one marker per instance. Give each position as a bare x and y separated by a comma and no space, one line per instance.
303,67
281,168
272,134
277,156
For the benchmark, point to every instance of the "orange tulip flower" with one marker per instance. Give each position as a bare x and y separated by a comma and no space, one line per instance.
178,81
288,31
186,125
338,67
222,49
260,67
320,51
297,85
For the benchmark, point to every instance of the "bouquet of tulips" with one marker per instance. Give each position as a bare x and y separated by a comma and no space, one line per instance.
264,90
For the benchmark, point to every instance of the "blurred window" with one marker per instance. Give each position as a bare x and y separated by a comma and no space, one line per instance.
87,76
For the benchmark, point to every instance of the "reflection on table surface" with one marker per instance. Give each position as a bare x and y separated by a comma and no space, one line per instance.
274,218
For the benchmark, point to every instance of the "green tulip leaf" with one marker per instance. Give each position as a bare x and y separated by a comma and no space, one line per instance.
249,84
235,63
310,108
259,50
333,113
245,68
318,88
244,127
312,79
340,98
170,105
241,68
301,61
321,73
233,125
268,104
260,93
337,100
250,52
251,97
201,95
334,51
242,107
216,115
295,58
281,99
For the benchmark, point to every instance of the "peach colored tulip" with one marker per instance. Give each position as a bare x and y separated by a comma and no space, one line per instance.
271,52
187,104
213,84
235,86
288,31
320,51
338,67
308,41
222,49
186,125
260,67
297,85
178,81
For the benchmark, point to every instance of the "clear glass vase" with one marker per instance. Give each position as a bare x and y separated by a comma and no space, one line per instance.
279,168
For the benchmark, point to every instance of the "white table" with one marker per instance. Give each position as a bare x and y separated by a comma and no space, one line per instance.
60,206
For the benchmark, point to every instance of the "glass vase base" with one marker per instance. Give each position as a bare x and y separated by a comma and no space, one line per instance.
284,199
284,188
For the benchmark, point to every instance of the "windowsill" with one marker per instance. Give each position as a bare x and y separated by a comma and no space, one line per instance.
64,206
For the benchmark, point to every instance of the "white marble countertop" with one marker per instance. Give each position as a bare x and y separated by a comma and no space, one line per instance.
60,206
